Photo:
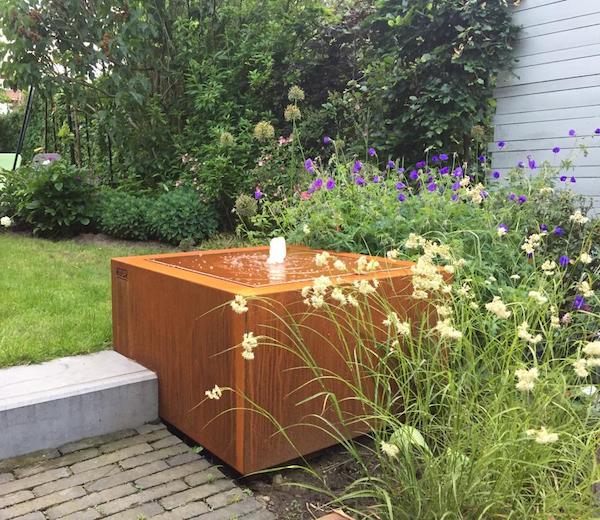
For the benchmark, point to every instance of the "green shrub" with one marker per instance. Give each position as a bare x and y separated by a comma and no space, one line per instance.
181,215
52,200
124,215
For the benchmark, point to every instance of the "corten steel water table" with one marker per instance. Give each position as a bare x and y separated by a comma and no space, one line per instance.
171,314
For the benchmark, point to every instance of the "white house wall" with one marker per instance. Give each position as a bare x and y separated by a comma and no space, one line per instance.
554,87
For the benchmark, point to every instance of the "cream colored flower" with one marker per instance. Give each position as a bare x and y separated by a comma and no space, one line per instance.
338,295
322,259
526,379
215,393
249,343
464,291
523,333
593,362
443,310
547,190
6,222
538,297
352,300
592,349
579,218
364,265
296,93
340,266
585,258
239,304
585,289
580,367
515,277
393,254
446,330
321,284
474,305
450,269
263,131
306,229
366,287
498,307
532,243
542,436
292,113
554,319
391,450
414,241
402,327
549,267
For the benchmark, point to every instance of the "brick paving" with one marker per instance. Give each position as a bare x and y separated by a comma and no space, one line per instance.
134,474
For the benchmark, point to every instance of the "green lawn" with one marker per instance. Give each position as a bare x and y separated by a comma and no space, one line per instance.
55,296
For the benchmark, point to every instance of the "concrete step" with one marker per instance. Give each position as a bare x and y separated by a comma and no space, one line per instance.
67,399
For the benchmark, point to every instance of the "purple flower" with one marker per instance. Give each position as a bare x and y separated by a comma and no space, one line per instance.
496,174
522,199
326,139
330,184
309,165
501,144
544,228
484,194
445,170
318,184
558,231
572,133
597,131
531,162
443,157
391,165
573,180
376,179
482,158
421,164
360,181
357,166
458,172
578,302
564,260
432,187
563,178
556,149
520,164
454,198
372,152
258,194
401,197
435,159
400,185
456,186
430,178
401,170
511,196
310,190
414,175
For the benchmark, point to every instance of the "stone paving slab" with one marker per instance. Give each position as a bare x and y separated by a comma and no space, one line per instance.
140,473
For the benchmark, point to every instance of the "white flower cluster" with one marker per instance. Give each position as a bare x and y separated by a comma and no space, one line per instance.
322,259
402,327
538,297
532,243
393,254
314,296
366,286
526,379
579,218
6,222
585,289
549,267
215,393
592,350
364,265
585,258
446,329
239,304
391,450
498,307
525,335
542,436
249,343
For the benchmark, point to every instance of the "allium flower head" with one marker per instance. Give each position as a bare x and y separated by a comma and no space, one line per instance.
226,139
296,93
292,113
263,131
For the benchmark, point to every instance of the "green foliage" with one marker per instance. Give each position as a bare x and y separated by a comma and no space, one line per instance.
124,215
182,215
430,71
52,200
172,217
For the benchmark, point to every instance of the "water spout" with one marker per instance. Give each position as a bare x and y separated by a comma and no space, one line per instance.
277,251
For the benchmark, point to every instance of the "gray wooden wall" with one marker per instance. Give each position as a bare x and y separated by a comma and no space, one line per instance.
554,87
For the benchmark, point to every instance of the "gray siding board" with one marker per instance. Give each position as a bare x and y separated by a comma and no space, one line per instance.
554,87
